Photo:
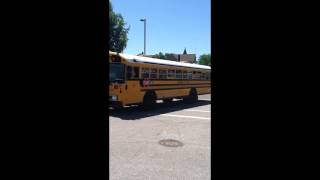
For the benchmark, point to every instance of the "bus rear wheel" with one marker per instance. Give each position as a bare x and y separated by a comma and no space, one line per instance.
149,100
193,96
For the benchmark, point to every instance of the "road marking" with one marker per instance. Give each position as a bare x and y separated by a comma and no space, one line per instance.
193,117
196,110
205,99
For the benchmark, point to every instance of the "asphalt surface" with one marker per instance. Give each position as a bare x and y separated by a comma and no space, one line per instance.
170,142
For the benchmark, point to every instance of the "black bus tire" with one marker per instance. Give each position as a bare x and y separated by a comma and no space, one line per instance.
193,96
149,100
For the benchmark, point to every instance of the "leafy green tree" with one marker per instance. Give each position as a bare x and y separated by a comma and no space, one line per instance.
160,56
205,59
118,33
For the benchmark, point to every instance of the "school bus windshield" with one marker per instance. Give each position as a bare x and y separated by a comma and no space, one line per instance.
116,73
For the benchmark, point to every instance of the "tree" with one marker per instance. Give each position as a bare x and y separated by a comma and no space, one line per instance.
205,59
185,51
117,31
160,56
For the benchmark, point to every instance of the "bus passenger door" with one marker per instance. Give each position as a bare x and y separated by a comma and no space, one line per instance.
132,87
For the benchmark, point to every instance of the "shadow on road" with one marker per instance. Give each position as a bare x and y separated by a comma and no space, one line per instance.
136,112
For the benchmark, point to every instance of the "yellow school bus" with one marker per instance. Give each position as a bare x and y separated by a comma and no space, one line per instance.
138,80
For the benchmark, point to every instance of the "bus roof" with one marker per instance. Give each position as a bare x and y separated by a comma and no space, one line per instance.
149,60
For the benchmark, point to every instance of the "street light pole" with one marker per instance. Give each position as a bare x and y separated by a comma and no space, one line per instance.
145,27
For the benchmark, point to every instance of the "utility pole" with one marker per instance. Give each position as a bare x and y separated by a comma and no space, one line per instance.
145,29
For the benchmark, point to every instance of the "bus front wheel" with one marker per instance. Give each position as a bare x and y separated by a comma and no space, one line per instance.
149,100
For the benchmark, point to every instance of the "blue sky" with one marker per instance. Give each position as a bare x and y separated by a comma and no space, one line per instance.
172,25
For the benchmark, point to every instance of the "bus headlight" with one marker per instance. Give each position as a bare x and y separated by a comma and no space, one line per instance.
114,98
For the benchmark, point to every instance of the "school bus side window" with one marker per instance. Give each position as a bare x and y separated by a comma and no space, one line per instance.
154,73
145,73
194,75
171,74
162,74
198,75
203,76
129,72
185,75
206,76
178,74
189,75
135,73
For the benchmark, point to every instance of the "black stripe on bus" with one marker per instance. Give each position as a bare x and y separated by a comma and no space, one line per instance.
159,89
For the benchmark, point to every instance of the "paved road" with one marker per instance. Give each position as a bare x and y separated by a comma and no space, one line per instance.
135,151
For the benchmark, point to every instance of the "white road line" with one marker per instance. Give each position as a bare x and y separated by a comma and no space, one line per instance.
196,110
193,117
